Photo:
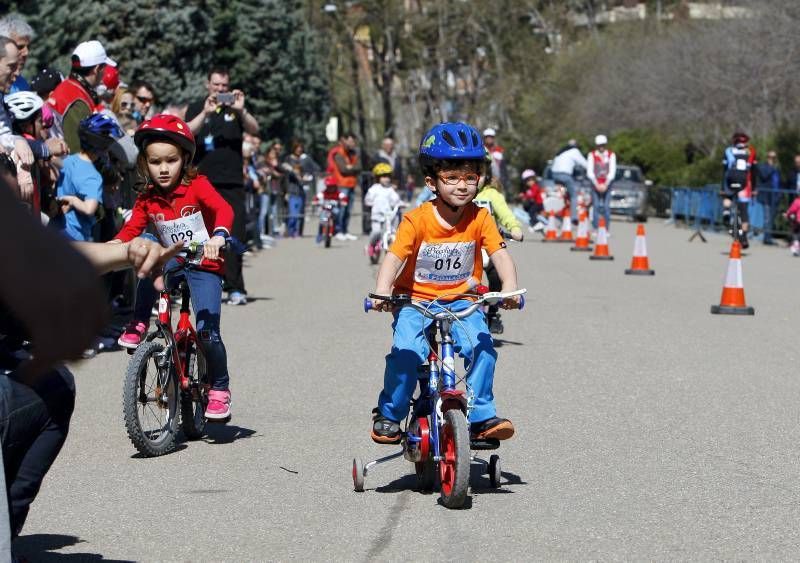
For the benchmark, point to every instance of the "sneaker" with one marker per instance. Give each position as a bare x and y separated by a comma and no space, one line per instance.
219,405
89,353
384,430
496,428
495,325
348,236
237,298
796,248
538,227
341,236
133,334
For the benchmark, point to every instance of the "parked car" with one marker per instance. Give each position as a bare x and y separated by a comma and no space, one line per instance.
629,193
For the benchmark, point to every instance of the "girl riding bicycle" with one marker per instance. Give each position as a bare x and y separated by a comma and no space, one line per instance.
183,207
437,256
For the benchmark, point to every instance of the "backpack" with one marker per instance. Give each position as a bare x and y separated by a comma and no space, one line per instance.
738,169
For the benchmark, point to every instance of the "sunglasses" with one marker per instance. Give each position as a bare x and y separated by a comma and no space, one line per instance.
126,105
144,99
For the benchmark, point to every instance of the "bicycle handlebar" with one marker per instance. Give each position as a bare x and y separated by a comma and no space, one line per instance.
424,307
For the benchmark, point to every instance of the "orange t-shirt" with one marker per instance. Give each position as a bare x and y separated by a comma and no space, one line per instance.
440,260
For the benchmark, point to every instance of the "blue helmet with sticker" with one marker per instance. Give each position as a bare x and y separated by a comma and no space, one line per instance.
98,131
451,141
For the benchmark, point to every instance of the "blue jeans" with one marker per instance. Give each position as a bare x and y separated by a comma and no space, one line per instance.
206,290
263,207
601,201
410,349
569,183
294,215
344,213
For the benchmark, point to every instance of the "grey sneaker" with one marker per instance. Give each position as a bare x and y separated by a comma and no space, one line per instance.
237,298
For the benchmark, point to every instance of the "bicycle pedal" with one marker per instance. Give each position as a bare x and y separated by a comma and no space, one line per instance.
487,444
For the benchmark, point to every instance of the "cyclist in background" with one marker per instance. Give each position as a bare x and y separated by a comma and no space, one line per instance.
381,198
737,181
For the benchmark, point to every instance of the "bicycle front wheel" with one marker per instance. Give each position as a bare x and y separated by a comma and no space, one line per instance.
150,400
194,400
454,463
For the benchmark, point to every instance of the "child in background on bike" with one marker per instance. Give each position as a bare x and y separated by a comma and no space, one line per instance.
330,193
437,256
184,207
381,198
793,215
79,190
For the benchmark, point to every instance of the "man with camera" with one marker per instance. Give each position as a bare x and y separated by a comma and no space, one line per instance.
218,124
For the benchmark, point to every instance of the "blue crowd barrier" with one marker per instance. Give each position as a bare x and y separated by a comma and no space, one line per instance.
701,208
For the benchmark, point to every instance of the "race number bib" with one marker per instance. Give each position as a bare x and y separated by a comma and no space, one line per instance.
446,263
741,164
186,230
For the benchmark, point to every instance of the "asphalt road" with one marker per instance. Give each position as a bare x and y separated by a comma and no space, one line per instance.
646,427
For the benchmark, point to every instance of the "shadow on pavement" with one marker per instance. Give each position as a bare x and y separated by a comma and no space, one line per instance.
226,433
501,342
178,447
251,299
482,486
40,547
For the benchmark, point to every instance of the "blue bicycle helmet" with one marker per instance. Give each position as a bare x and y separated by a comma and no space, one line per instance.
452,141
98,131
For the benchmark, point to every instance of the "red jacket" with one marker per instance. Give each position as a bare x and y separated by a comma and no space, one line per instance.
66,93
168,212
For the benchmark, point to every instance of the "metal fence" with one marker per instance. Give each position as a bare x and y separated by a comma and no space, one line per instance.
701,209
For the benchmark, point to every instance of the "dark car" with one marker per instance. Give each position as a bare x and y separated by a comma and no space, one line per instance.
629,193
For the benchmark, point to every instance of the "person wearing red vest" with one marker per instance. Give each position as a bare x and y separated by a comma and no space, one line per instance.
601,171
344,165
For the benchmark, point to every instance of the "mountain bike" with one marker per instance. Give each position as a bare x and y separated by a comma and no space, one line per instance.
436,437
167,374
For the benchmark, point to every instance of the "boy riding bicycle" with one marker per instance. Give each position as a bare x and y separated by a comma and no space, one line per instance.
738,182
437,256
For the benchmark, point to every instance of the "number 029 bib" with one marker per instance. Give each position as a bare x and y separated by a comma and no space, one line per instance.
445,263
186,229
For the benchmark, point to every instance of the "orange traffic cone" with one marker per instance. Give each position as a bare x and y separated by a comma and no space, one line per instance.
601,243
551,234
640,265
582,242
566,227
732,301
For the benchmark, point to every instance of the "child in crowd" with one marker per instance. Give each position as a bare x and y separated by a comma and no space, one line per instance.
452,158
381,198
793,215
80,186
183,207
532,199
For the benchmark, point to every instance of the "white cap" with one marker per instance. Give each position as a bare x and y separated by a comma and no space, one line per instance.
489,132
528,173
600,140
92,53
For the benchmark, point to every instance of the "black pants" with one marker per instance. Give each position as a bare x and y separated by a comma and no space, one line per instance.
235,195
34,423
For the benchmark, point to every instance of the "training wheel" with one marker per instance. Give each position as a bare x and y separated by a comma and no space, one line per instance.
358,475
494,471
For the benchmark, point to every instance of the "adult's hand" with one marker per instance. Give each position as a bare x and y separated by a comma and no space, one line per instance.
147,255
56,146
238,101
23,151
210,105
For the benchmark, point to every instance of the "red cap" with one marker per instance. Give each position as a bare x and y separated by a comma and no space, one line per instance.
111,77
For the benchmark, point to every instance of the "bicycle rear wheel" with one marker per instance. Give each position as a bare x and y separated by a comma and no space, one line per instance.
194,400
328,232
454,465
150,400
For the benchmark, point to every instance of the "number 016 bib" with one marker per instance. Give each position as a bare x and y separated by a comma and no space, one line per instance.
186,229
445,263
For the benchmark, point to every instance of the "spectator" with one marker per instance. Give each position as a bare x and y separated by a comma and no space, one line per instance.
45,82
768,185
218,125
17,29
388,154
143,99
410,186
567,159
793,180
122,106
303,170
344,165
601,170
275,187
76,97
499,166
15,144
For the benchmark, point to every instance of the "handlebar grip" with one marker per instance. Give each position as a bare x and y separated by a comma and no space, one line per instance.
521,302
367,305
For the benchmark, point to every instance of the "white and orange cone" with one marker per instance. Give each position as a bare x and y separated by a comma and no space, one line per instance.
566,227
640,265
582,242
551,234
732,301
601,251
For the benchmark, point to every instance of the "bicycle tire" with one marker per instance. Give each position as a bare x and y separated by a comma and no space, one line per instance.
328,233
132,399
194,400
454,465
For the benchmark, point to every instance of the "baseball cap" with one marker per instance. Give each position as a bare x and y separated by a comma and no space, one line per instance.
601,140
90,53
489,132
46,81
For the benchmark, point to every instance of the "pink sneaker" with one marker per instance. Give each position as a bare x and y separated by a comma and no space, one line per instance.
219,405
133,334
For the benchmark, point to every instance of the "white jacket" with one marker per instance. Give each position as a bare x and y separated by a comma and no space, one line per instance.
382,200
565,162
